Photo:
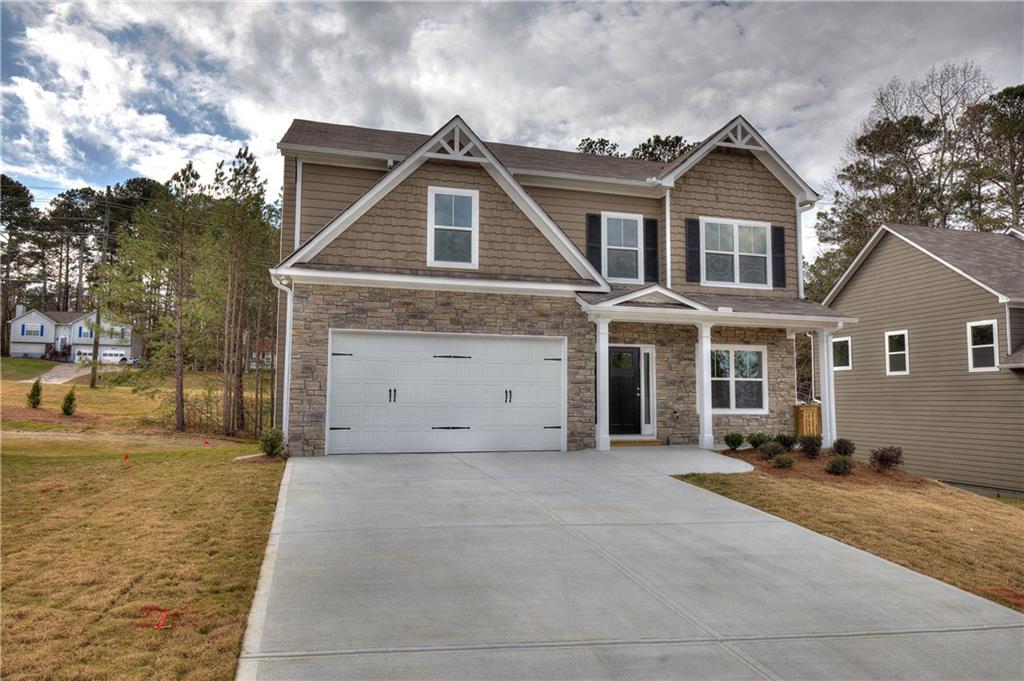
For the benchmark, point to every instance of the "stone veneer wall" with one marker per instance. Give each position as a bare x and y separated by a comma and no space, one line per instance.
674,358
320,308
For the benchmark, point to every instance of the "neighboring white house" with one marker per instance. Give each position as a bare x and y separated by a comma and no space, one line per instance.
67,336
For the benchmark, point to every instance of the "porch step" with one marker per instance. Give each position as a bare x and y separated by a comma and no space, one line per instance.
637,443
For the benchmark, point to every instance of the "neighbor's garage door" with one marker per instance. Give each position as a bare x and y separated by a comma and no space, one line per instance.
425,392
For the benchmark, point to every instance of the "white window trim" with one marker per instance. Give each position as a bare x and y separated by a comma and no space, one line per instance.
849,354
736,253
639,246
474,229
763,349
995,346
906,345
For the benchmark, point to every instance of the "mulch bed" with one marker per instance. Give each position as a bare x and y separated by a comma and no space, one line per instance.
814,469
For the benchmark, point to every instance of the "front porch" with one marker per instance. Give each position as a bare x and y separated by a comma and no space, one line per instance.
678,371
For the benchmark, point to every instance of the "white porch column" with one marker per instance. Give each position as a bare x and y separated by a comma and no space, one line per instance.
703,365
602,440
827,389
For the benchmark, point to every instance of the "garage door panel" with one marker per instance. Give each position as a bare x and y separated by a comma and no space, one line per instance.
434,392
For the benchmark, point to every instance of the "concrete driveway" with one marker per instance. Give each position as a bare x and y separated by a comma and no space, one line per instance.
586,566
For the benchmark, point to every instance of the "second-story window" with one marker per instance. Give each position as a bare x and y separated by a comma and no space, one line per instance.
453,227
982,346
735,253
623,245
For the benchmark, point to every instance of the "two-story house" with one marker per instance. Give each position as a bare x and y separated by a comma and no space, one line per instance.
442,293
935,362
68,336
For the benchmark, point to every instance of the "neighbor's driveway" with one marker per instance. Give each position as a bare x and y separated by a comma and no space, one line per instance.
585,566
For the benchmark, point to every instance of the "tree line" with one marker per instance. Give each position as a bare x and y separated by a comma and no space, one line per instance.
185,265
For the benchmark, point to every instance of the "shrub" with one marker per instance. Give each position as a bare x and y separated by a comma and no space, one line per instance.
810,445
272,441
757,439
839,465
887,458
770,450
844,447
69,404
733,440
786,440
35,395
783,460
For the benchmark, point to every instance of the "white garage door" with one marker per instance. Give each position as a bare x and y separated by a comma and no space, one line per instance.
426,392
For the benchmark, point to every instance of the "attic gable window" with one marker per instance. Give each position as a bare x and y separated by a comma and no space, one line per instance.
453,227
623,238
735,253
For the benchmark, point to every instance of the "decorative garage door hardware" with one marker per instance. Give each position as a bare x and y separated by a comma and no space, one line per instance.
552,359
340,428
450,428
392,394
452,357
552,427
508,397
341,354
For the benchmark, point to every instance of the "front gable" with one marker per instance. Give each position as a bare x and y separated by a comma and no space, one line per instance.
455,145
392,235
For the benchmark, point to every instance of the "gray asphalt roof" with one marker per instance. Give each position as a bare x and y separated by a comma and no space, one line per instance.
741,304
395,143
993,258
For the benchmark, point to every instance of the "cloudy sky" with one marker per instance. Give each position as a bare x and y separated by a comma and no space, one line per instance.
94,93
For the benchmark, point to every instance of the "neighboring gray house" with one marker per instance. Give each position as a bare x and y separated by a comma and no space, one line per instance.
935,362
67,337
442,293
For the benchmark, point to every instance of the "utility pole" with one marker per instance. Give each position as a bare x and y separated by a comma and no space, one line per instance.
95,296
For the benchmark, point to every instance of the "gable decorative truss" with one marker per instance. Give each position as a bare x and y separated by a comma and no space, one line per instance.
652,294
455,141
870,246
740,134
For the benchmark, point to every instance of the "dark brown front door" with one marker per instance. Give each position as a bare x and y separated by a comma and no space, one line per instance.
624,391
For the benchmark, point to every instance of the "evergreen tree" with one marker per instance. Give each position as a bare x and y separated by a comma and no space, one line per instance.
35,395
70,403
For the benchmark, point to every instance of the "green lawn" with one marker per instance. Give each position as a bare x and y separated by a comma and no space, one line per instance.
23,368
94,548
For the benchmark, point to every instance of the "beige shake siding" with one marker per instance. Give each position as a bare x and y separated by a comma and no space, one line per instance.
392,235
732,184
328,190
953,425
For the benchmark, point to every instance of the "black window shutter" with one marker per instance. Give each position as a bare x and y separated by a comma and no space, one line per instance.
650,249
594,240
778,257
692,249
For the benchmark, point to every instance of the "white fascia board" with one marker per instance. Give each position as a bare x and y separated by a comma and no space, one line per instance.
870,246
648,290
332,151
432,283
767,155
760,319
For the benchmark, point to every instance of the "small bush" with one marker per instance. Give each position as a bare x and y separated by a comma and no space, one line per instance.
810,445
844,447
733,440
757,439
770,450
783,460
887,458
272,441
839,465
786,440
70,403
35,395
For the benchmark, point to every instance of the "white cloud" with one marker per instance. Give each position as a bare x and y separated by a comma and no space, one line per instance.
153,84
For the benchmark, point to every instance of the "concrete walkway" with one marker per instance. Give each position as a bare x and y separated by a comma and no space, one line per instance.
64,372
586,566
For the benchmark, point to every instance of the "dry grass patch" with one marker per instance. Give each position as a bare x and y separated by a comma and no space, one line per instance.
969,541
96,547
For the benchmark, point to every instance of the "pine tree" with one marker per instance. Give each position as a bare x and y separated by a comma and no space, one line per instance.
35,395
69,404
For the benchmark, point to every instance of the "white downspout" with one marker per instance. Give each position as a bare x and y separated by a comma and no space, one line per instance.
286,386
668,238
